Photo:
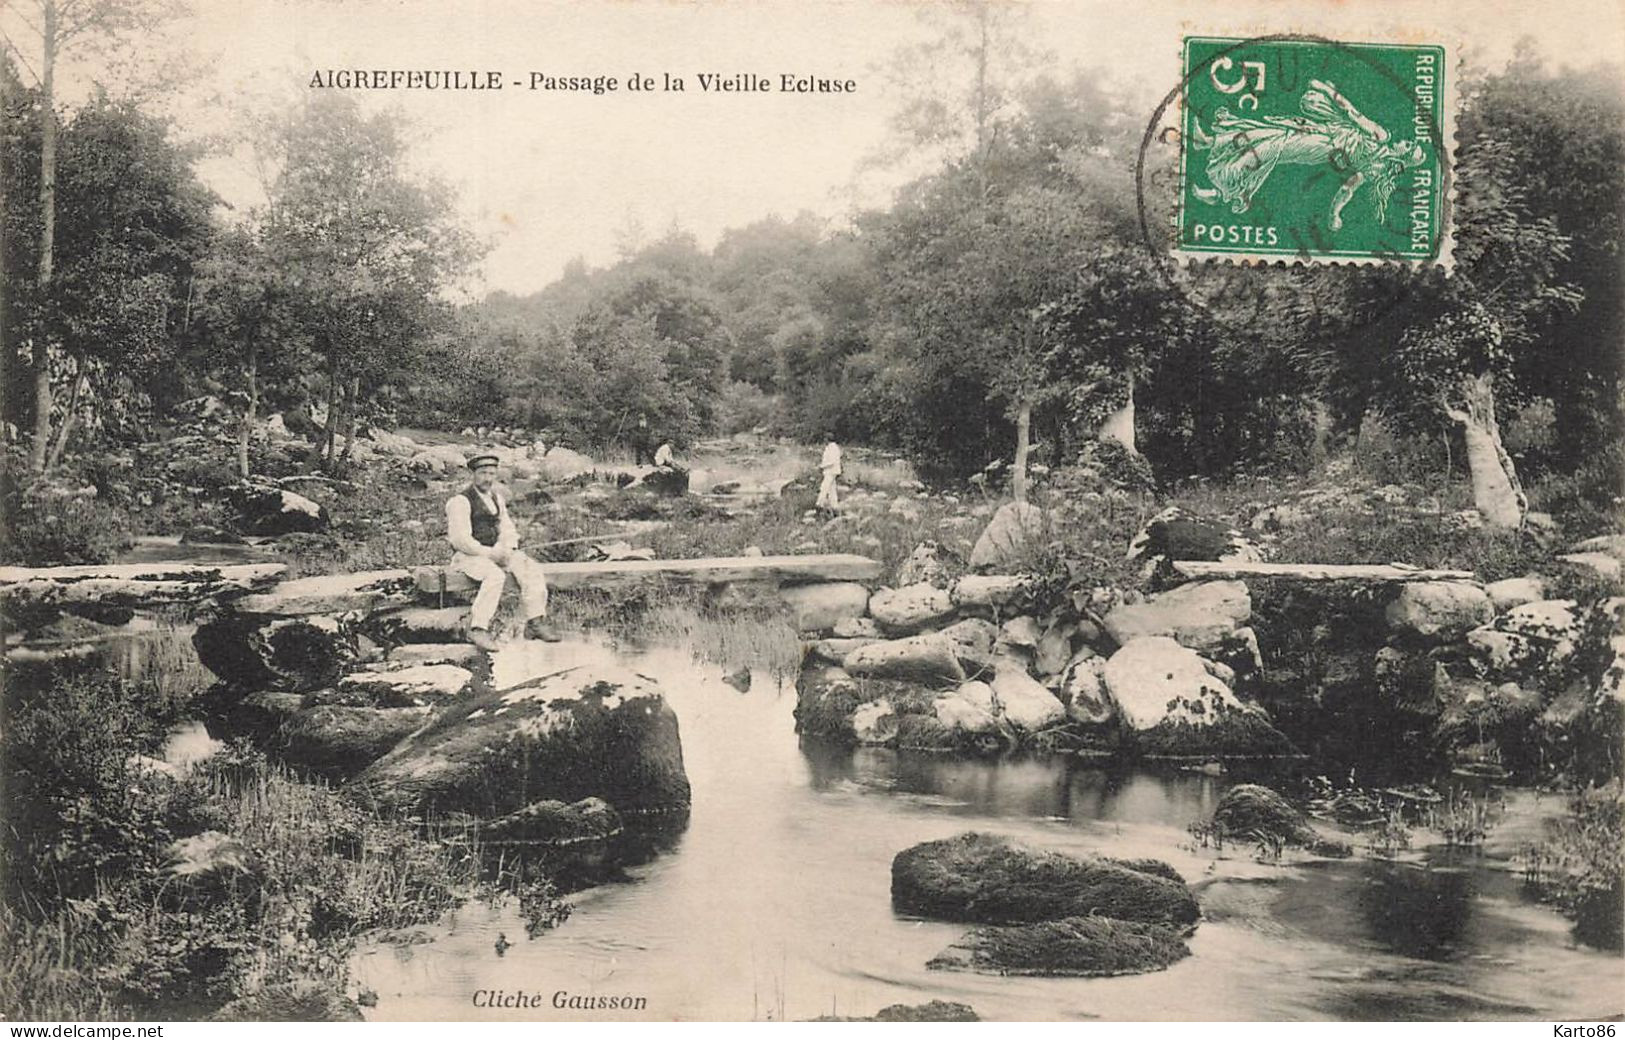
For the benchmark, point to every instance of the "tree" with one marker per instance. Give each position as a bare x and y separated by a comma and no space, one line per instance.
134,220
373,248
979,261
241,309
57,29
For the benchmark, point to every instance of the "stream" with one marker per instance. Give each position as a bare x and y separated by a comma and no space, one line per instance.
775,902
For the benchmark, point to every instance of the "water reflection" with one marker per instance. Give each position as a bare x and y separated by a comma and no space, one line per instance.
775,902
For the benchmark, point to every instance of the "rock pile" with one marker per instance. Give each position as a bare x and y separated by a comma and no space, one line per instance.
978,664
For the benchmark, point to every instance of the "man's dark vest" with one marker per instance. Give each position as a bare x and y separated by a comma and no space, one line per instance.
485,522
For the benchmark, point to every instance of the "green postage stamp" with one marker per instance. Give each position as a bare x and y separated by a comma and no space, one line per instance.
1303,148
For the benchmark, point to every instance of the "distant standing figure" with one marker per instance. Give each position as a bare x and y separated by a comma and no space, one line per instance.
487,542
831,465
640,441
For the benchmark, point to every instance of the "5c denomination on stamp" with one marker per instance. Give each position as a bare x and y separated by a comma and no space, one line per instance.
1299,147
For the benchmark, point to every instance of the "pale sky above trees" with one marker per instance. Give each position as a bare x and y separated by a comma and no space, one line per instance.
548,176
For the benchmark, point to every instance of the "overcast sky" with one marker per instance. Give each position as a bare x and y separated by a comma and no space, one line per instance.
551,176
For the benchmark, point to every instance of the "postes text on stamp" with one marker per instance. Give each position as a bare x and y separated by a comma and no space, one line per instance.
1310,149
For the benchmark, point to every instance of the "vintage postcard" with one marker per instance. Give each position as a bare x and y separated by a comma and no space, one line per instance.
664,511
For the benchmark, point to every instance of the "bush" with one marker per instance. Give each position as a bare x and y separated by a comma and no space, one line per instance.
75,807
744,406
47,524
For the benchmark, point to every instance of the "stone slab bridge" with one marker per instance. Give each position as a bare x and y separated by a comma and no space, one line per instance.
392,602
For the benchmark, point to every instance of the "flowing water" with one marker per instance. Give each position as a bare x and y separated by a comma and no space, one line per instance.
775,903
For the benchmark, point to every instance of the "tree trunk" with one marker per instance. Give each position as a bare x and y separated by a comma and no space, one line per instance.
253,406
1119,426
1018,471
351,416
332,424
47,238
69,414
1496,491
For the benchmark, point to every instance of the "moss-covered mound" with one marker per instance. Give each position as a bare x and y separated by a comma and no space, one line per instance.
1078,946
989,880
1252,811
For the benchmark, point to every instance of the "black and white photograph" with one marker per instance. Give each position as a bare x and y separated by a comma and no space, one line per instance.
834,511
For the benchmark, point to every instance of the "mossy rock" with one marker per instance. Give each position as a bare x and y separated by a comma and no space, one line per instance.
336,742
1232,734
1251,810
1072,946
583,732
826,697
986,879
932,1011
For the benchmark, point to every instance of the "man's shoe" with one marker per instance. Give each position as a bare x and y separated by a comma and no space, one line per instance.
537,628
482,639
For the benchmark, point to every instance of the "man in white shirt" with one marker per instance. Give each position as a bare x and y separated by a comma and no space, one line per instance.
487,543
831,465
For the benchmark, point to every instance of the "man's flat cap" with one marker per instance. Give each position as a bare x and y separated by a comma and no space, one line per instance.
480,461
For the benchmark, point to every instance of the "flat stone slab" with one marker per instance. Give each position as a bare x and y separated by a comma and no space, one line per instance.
812,567
331,594
134,584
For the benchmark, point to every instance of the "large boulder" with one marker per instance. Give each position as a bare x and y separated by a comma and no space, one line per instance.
816,607
1083,692
1514,592
1173,706
930,658
986,879
1016,530
1250,812
1201,615
250,651
1023,701
448,459
1071,946
269,510
1438,611
583,732
911,608
969,710
1178,534
336,741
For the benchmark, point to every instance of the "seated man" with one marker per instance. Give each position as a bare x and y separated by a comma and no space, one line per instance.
666,456
487,544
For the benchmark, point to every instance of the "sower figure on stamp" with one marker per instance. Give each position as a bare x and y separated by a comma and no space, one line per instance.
487,543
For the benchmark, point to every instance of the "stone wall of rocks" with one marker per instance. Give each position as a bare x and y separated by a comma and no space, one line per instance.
974,664
1497,678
